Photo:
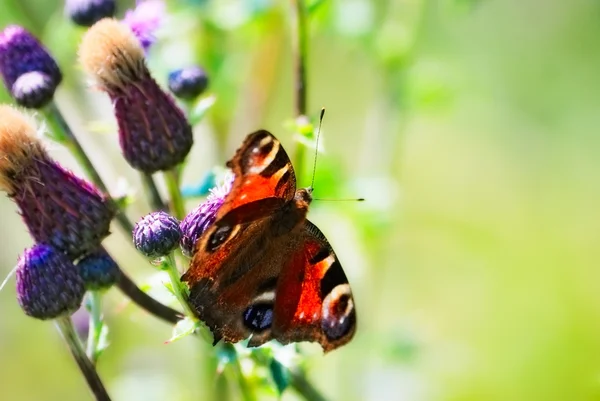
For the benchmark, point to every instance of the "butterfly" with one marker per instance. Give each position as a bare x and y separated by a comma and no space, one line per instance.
263,271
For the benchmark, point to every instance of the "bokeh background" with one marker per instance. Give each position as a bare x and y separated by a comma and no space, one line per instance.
471,128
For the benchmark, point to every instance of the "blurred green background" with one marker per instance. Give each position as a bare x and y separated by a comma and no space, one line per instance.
471,128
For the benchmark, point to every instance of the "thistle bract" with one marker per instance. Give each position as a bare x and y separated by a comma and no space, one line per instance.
98,270
88,12
188,83
156,234
48,283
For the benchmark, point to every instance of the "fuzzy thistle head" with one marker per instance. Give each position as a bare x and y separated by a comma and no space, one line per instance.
48,284
111,53
153,132
144,20
98,270
156,234
199,219
59,208
22,53
87,12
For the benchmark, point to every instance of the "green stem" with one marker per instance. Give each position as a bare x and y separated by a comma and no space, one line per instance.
300,49
63,133
245,388
304,387
156,201
171,268
95,329
177,203
65,326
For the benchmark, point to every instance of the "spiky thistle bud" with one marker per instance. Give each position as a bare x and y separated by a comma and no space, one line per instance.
153,132
48,284
58,208
21,53
88,12
144,20
199,219
188,83
156,234
98,270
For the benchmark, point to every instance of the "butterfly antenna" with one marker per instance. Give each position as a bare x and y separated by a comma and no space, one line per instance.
312,184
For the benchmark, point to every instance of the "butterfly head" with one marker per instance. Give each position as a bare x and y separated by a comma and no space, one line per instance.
303,198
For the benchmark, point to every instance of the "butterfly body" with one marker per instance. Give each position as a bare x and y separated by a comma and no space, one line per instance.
262,270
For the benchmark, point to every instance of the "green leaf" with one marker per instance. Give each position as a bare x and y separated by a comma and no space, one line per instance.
103,342
183,328
200,109
280,375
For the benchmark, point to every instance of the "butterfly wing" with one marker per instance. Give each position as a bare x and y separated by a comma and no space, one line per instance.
264,183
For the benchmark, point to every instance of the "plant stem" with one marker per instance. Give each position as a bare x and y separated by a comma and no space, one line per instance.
171,267
146,302
177,203
156,201
65,326
304,387
63,133
95,325
300,49
245,389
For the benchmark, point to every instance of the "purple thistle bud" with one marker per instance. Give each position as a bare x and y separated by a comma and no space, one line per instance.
58,208
98,270
88,12
156,234
199,219
33,90
188,83
48,284
144,20
21,53
153,132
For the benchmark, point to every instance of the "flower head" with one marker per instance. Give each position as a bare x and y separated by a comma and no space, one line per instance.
98,270
156,234
48,284
59,208
21,53
199,219
153,132
144,20
188,83
88,12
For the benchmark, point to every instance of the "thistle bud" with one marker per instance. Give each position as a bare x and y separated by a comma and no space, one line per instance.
199,219
98,270
21,53
144,20
48,284
88,12
188,83
156,234
59,208
153,132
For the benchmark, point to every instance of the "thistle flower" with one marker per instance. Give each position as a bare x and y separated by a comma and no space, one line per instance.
48,284
156,234
21,53
199,219
144,20
188,83
58,208
88,12
98,270
153,132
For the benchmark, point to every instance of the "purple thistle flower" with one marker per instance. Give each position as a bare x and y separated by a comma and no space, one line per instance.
48,284
156,234
144,20
22,53
59,208
98,270
153,132
188,83
199,219
88,12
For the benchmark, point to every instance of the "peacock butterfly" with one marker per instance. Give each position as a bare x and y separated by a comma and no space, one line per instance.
262,270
